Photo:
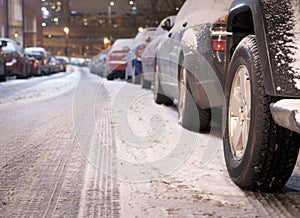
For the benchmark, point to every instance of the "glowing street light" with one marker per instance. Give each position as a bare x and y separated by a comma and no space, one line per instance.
67,31
106,42
140,29
131,2
111,4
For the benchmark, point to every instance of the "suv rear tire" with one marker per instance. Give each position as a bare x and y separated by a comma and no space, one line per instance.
259,154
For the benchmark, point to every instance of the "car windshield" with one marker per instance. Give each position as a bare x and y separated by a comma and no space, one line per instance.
37,55
9,47
122,44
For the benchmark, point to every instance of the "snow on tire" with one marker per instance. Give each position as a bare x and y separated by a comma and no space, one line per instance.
259,154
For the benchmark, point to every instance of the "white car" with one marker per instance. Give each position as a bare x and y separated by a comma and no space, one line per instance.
141,39
148,57
115,65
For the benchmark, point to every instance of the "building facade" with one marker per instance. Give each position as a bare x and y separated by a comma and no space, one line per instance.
21,20
33,35
3,18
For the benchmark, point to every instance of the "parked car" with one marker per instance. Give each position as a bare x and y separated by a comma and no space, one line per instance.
16,63
41,55
148,57
77,61
54,65
2,61
116,59
62,62
141,39
34,65
244,63
136,62
97,64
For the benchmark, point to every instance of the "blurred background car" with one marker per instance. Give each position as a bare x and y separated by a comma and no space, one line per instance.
148,57
141,39
137,63
2,61
77,61
116,58
41,55
54,64
33,65
16,63
97,64
61,61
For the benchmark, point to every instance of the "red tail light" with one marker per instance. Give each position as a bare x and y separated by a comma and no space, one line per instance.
219,45
223,19
9,57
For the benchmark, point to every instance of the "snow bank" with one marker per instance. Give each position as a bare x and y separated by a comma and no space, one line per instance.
37,88
290,105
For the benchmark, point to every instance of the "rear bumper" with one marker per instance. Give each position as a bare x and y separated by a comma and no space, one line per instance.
286,113
114,66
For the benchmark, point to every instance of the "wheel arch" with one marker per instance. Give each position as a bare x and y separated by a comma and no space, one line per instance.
247,19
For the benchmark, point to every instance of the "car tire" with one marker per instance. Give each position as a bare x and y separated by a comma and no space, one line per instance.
190,116
111,76
259,155
2,78
159,97
131,78
136,79
145,83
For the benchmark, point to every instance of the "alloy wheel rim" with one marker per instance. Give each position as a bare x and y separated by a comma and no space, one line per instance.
239,112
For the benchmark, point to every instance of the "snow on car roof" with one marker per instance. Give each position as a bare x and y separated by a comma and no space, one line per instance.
35,49
120,44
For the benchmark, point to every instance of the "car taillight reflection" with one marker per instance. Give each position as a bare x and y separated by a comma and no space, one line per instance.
218,33
11,59
117,60
219,45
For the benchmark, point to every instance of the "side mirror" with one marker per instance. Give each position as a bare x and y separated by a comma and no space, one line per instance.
167,25
148,39
3,44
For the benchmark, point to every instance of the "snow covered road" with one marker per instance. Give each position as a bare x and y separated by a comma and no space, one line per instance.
76,145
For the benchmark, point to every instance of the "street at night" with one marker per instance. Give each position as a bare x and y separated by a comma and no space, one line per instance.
160,108
63,154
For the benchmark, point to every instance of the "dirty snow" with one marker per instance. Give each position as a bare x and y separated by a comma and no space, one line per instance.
292,105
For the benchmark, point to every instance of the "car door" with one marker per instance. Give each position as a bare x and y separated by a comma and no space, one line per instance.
168,80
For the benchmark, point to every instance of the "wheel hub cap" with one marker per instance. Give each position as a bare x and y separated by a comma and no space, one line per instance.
239,112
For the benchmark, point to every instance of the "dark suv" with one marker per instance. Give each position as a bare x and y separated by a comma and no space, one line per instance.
247,65
262,92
